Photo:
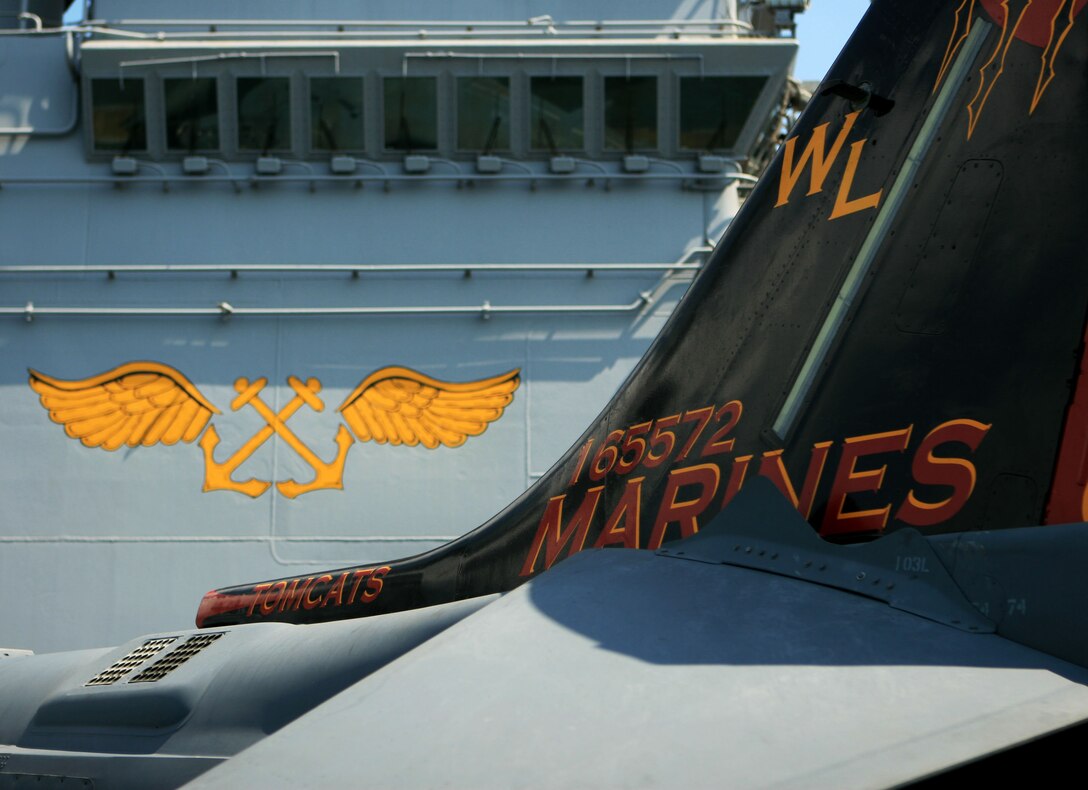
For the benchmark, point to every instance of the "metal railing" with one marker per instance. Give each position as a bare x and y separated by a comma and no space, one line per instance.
223,309
288,29
535,27
334,55
355,269
30,311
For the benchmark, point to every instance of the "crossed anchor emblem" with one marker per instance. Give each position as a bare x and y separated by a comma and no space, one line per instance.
149,403
217,476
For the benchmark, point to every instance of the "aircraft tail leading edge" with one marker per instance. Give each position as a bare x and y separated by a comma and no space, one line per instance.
891,331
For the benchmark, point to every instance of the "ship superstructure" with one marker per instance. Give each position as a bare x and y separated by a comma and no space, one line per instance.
273,286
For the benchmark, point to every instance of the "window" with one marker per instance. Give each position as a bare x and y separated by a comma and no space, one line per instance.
483,114
630,113
557,113
411,113
192,114
336,114
713,110
118,108
264,114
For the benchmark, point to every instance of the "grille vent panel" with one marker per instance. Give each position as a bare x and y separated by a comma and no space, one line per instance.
129,662
167,664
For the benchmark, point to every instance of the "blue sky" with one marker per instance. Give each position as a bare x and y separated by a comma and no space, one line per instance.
822,31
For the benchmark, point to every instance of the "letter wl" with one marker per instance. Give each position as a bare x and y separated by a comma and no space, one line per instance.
818,159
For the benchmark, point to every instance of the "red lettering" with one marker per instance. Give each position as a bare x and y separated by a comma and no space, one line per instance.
634,441
551,530
293,596
269,605
606,457
306,587
583,454
312,603
849,480
359,576
718,444
684,513
956,473
702,416
337,591
257,591
627,511
666,440
375,583
774,470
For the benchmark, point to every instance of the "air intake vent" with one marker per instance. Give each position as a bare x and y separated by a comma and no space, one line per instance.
131,661
164,666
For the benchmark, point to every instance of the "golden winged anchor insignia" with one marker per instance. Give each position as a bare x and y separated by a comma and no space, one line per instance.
140,403
401,406
148,403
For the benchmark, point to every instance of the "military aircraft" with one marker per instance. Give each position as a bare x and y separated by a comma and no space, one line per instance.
854,463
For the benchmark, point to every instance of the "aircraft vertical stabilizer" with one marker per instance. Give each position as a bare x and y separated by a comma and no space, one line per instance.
891,330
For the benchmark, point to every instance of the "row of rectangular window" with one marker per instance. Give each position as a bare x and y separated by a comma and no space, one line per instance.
713,110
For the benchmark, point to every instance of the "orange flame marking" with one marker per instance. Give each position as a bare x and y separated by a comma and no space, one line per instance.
953,42
1046,70
964,17
1003,44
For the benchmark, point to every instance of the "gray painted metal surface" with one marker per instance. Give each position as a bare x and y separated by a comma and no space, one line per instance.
249,682
615,668
626,669
106,525
901,568
1028,582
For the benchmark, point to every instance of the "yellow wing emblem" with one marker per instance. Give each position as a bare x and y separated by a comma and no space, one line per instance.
136,403
401,406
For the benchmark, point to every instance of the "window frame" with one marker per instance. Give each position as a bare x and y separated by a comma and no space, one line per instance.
657,146
586,78
312,149
168,152
511,87
384,147
291,143
145,107
682,149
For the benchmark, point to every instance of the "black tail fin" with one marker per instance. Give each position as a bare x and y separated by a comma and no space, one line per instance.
891,329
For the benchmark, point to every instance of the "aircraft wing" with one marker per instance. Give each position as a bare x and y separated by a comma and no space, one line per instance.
689,668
